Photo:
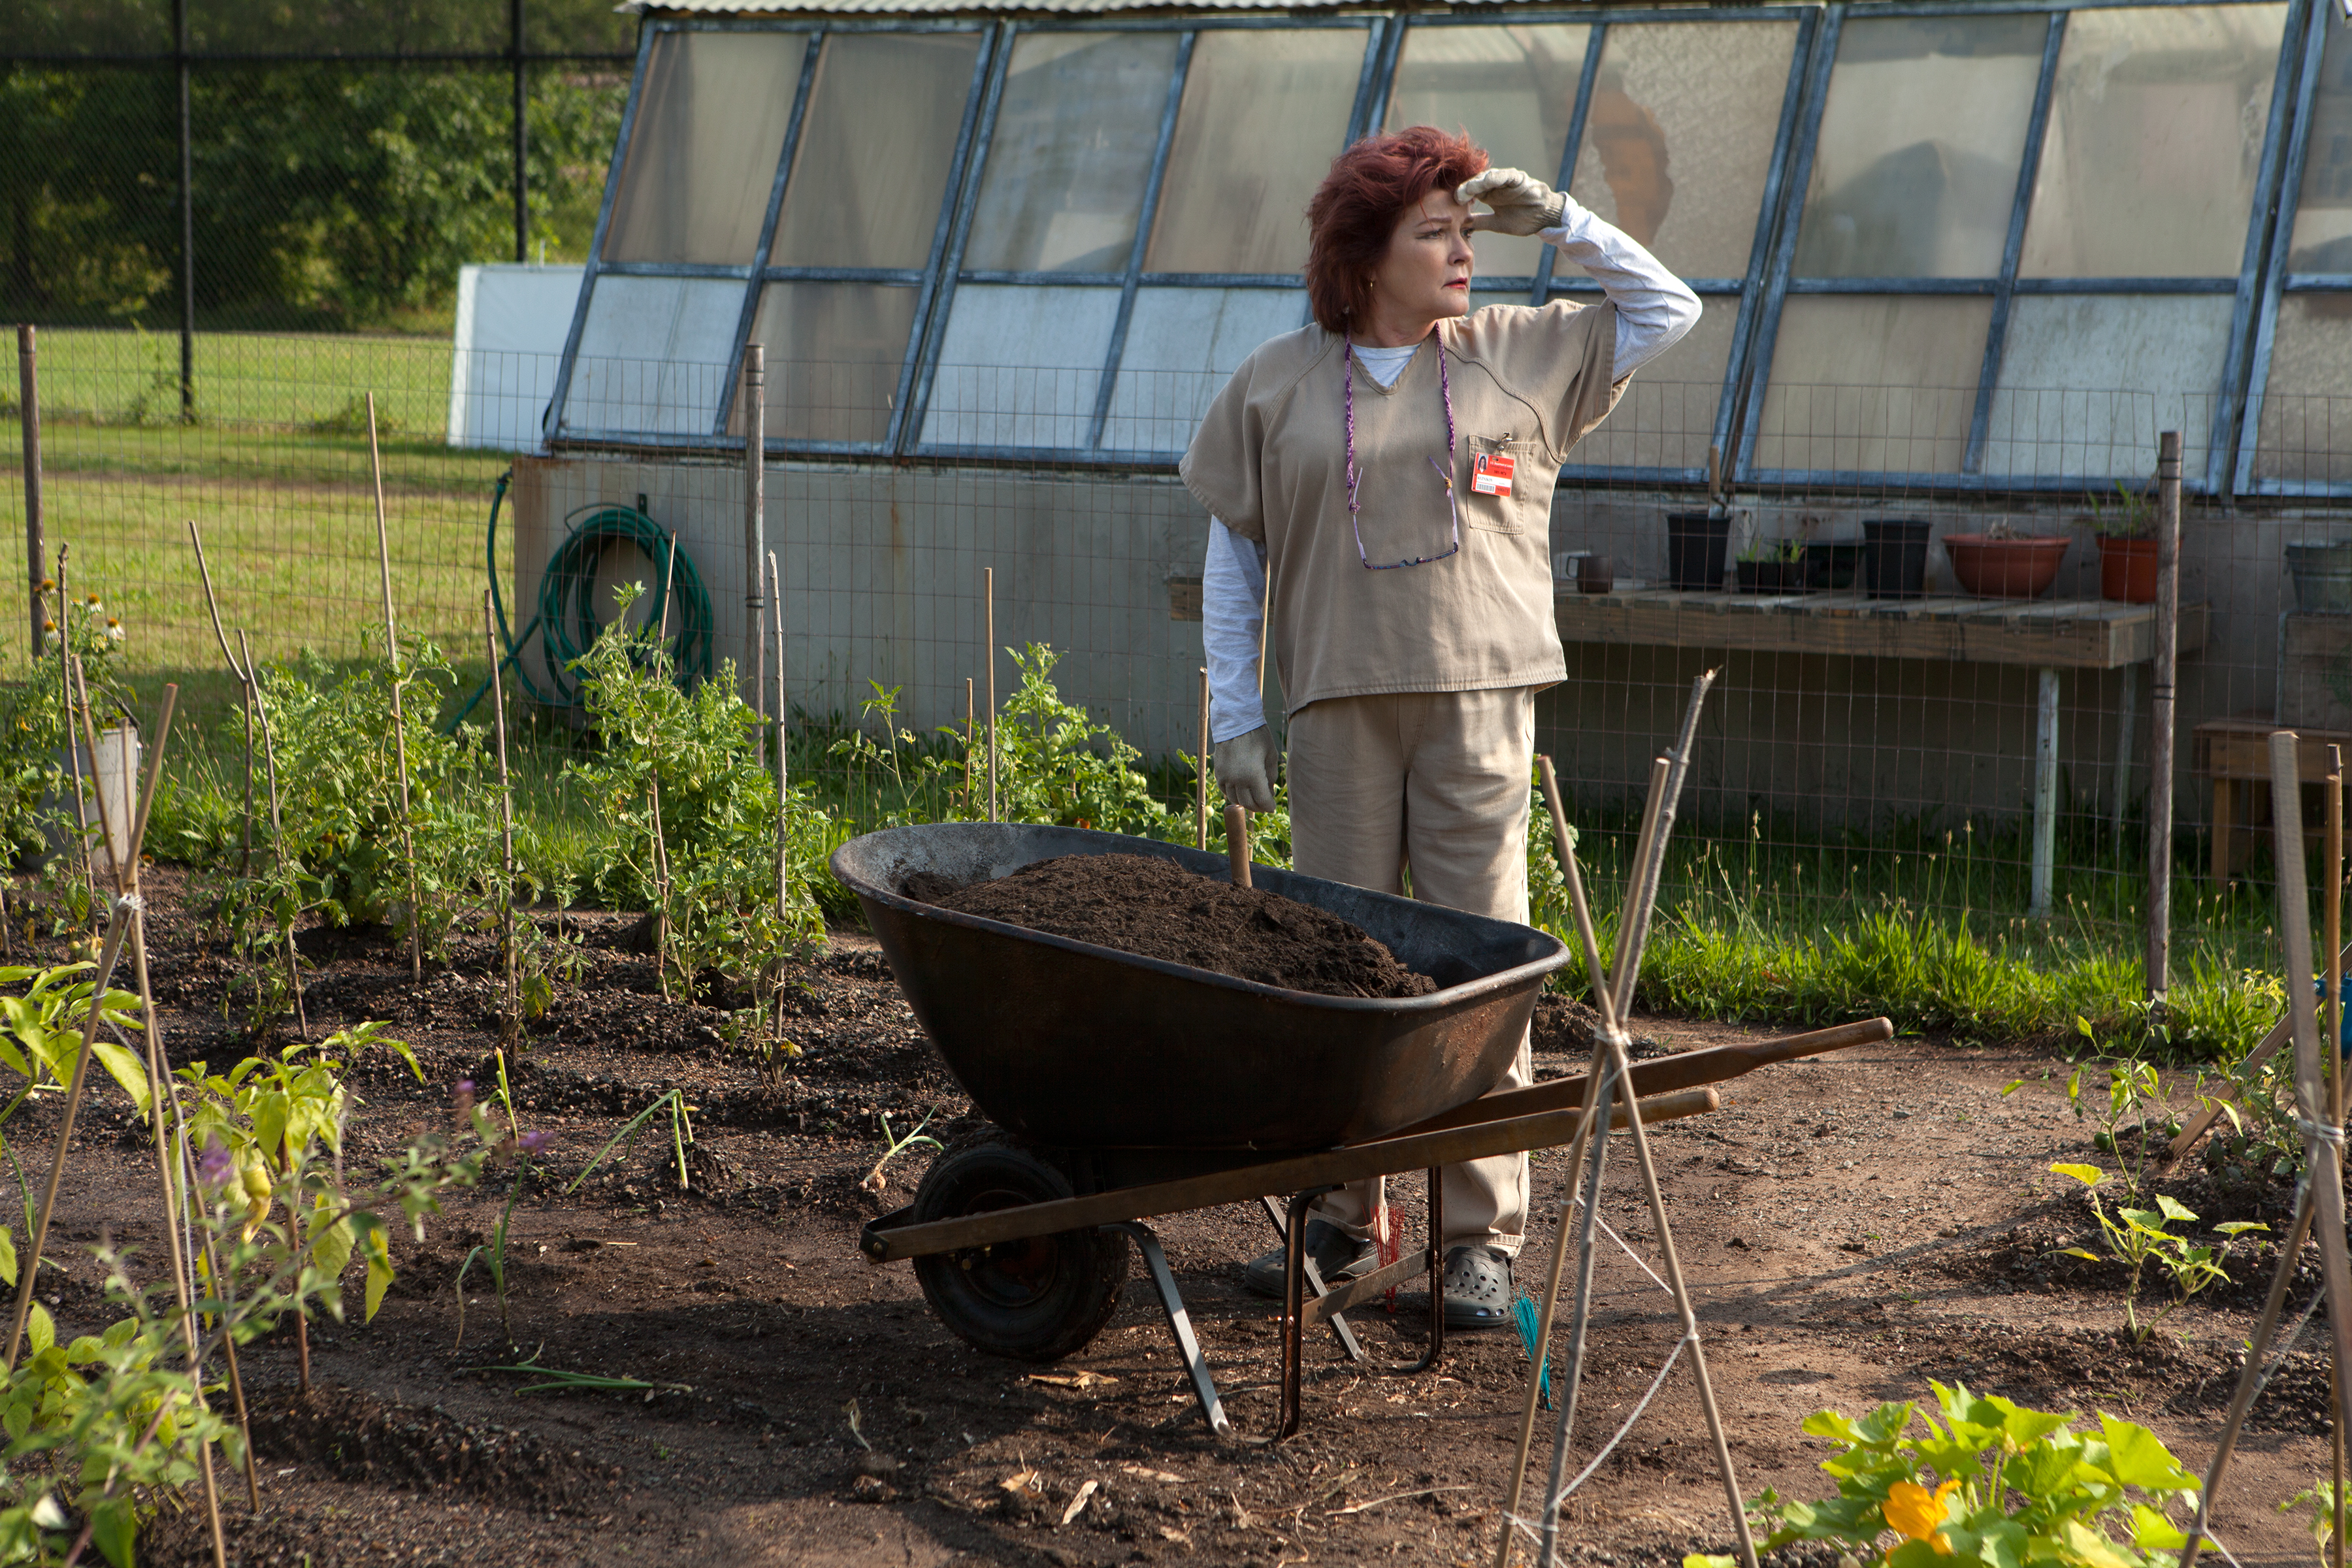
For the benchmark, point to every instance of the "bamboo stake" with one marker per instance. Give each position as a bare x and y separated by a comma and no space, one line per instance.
512,1027
783,797
276,836
1201,775
2331,911
1237,844
399,722
988,592
2161,719
79,690
245,682
653,798
2323,1138
970,726
73,749
127,882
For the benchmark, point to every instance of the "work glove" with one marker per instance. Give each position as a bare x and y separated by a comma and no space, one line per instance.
1247,767
1521,203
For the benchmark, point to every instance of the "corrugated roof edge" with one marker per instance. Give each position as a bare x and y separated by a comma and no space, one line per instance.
658,10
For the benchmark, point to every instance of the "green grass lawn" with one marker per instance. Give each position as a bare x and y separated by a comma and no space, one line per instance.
276,473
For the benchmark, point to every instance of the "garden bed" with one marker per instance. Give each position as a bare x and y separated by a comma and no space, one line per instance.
1853,1225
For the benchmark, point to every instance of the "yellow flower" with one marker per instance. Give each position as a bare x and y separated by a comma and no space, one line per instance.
1912,1509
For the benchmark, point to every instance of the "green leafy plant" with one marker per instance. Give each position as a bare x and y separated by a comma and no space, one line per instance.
2137,1237
2319,1498
1995,1483
696,753
2134,1087
681,1132
896,1145
1780,552
556,1380
2131,515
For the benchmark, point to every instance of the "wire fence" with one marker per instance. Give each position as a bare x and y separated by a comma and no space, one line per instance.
1885,743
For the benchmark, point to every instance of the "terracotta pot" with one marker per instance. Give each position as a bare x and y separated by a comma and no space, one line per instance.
2128,570
2006,568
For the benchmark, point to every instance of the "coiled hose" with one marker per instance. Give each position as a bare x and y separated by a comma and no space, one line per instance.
565,618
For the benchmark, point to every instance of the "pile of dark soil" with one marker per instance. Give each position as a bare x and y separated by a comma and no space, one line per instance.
1156,909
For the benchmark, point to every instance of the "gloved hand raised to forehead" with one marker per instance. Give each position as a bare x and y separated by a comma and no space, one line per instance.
1521,203
1247,767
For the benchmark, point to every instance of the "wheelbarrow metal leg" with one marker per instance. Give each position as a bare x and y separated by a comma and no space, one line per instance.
1340,1324
1294,1307
1436,1271
1179,1323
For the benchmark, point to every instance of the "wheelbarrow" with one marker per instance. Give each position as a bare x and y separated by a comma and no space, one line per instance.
1125,1087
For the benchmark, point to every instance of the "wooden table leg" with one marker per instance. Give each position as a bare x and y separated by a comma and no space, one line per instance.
2223,805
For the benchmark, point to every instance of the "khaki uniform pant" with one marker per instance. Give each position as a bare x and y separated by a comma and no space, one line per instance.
1437,782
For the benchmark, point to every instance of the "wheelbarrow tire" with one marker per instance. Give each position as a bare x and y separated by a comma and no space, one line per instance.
1036,1299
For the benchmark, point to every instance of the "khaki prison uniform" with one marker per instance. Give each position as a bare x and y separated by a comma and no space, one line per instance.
1411,692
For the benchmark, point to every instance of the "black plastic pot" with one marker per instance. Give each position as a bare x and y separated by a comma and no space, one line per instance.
1697,544
1770,576
1833,568
1894,557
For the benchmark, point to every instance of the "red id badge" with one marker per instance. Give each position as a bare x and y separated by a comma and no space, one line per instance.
1491,474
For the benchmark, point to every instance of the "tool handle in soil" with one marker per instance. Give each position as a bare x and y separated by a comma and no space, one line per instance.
1237,844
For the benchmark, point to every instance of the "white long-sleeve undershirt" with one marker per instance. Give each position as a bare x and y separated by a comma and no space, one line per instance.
1654,309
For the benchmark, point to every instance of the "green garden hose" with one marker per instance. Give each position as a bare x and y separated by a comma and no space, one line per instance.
566,618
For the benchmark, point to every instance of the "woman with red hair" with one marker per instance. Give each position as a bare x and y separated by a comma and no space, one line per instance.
1391,467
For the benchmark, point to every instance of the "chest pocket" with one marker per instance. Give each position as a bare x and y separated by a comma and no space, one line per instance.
1496,513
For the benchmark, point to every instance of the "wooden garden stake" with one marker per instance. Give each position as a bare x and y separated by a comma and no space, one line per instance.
652,798
513,1024
783,795
1201,775
2319,1197
1237,844
277,837
245,682
969,728
73,750
988,592
399,724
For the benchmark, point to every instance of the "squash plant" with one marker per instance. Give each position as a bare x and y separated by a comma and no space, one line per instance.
1994,1483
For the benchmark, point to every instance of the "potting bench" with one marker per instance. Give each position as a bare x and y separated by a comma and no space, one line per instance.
2237,750
2047,634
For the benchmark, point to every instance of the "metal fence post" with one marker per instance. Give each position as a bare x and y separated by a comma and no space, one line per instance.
2161,724
187,220
521,133
28,394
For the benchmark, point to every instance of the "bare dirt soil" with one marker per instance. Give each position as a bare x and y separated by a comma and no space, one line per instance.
1854,1226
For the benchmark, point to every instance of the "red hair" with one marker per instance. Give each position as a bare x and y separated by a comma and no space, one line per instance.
1355,210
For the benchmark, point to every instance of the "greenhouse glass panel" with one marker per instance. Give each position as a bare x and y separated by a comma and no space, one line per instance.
1071,152
2323,213
2156,138
654,356
2305,432
2088,380
1678,139
1665,418
1915,169
1265,111
702,157
834,353
1181,346
1513,88
1873,383
878,143
1019,367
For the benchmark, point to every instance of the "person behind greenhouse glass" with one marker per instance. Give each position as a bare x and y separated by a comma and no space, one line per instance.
1392,465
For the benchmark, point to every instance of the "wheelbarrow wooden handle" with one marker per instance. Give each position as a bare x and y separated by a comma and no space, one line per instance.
894,1237
1663,1075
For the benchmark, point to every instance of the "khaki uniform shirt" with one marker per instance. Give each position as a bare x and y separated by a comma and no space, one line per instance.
1270,462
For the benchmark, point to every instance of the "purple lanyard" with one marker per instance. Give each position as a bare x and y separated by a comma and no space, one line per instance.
1356,478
